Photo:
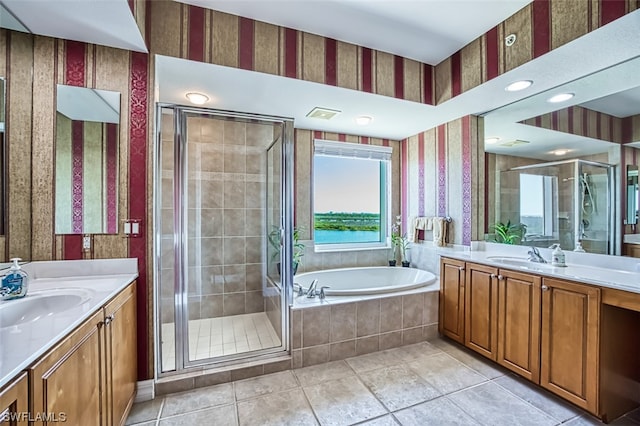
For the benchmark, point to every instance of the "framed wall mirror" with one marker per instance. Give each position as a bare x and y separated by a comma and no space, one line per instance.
86,163
2,151
580,143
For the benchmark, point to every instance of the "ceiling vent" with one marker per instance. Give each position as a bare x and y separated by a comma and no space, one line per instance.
514,143
323,113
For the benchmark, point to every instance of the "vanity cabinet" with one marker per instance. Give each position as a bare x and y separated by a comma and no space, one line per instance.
543,329
481,310
451,302
121,359
68,380
89,377
570,346
502,317
519,311
14,402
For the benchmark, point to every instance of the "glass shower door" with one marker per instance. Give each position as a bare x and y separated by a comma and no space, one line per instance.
222,194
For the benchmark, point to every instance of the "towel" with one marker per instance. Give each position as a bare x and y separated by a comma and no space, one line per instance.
418,223
440,230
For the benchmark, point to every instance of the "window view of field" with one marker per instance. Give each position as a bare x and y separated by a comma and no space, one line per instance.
346,200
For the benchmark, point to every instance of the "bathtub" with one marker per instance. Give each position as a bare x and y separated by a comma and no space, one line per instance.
368,280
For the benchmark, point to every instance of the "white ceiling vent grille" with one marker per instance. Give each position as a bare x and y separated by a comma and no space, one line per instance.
323,113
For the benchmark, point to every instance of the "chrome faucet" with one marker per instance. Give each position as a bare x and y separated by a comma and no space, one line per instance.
297,287
311,293
535,256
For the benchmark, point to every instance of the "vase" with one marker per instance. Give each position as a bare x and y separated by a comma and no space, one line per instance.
406,263
392,263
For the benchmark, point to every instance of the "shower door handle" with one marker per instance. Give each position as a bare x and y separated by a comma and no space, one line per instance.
281,237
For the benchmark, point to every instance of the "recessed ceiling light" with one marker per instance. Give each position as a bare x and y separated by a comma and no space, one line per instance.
363,120
516,86
323,113
491,141
560,151
197,98
561,97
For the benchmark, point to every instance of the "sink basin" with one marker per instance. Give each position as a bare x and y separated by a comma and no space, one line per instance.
519,262
39,305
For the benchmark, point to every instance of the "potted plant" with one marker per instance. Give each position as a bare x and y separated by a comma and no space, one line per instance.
508,233
298,248
399,241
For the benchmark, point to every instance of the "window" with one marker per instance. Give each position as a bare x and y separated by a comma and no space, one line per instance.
537,208
351,184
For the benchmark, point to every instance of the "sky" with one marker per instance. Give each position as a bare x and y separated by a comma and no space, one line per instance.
346,185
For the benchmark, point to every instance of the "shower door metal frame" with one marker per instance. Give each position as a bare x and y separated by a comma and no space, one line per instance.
182,362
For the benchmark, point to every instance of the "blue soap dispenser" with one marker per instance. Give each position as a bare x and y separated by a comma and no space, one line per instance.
14,282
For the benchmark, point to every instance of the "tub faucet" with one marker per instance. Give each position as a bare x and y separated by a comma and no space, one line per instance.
311,293
297,287
535,256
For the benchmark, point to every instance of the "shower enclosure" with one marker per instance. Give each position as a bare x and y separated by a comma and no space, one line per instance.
223,182
561,202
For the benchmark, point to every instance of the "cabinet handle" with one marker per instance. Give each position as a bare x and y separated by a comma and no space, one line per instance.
109,319
544,288
461,268
493,275
500,277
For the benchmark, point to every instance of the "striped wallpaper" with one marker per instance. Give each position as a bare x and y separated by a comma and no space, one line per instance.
443,174
581,121
541,26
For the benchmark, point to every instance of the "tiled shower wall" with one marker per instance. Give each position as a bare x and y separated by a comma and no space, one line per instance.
226,209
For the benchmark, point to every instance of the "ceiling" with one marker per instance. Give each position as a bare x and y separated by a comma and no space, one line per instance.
103,22
428,31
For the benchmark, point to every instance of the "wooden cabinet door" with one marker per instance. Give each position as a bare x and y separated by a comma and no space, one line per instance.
519,323
451,312
570,347
121,359
68,380
481,310
14,402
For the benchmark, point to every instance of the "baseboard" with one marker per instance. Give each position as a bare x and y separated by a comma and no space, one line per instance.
145,391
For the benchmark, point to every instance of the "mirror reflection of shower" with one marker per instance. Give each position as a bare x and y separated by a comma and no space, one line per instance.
562,202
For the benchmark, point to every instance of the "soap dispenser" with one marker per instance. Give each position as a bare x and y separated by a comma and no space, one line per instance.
14,282
579,247
557,257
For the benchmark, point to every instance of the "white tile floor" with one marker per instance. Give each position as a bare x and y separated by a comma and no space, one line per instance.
213,337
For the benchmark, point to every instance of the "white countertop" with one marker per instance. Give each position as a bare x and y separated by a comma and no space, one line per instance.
97,281
606,271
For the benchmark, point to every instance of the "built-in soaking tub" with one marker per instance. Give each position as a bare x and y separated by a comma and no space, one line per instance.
367,280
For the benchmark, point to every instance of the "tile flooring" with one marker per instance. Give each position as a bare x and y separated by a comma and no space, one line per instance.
221,336
429,383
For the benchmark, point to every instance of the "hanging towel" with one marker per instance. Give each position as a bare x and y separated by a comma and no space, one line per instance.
440,230
419,224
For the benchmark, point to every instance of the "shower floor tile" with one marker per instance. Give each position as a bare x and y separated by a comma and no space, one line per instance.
212,337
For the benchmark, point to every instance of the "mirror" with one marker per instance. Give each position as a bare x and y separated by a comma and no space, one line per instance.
632,195
588,133
86,163
2,150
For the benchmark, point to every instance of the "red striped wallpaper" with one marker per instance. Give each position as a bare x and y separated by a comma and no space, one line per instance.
77,186
588,123
138,193
74,76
